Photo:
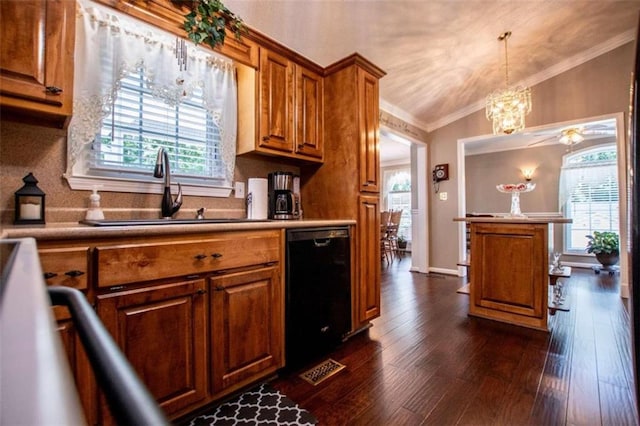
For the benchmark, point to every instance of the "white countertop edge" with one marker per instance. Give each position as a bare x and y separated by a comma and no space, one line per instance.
74,230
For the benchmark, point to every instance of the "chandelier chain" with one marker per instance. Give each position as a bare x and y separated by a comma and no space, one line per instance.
504,37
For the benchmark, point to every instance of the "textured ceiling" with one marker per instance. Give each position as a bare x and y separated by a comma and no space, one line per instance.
443,58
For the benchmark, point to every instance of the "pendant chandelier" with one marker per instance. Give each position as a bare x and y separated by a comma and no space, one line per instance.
507,107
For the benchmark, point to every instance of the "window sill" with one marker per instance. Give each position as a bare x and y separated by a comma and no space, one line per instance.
152,187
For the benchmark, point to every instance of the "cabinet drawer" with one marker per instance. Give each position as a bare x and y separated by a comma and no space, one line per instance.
118,265
68,267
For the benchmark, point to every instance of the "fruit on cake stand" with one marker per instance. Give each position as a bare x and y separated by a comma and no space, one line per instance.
515,189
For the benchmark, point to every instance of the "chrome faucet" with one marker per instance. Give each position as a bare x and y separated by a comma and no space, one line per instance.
169,206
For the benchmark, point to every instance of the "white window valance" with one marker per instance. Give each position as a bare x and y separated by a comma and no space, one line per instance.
110,45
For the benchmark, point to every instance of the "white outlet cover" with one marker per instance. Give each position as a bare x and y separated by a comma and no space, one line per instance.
239,190
443,196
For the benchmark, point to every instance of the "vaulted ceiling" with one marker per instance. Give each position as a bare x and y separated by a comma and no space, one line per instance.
442,57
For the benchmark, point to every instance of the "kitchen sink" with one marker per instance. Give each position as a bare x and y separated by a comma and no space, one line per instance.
147,222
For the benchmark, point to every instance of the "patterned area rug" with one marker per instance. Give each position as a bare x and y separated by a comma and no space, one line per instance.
262,405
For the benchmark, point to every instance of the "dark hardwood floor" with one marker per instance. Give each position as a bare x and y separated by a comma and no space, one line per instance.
425,361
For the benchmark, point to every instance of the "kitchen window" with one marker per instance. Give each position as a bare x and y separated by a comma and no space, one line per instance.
139,124
132,97
589,194
398,197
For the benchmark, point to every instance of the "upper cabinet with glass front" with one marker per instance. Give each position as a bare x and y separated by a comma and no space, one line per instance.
36,60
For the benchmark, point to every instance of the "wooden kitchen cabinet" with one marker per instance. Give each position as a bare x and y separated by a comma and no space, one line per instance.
65,266
288,99
36,60
368,302
276,102
368,122
130,263
347,183
150,296
247,327
509,272
69,267
78,363
309,113
162,330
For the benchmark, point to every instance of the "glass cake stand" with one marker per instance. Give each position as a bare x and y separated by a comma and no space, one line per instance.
515,189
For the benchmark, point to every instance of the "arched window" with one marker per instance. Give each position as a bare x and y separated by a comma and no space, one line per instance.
589,194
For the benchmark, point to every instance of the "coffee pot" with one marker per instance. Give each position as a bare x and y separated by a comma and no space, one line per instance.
280,195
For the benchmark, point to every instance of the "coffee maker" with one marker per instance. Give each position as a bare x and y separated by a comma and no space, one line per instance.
280,195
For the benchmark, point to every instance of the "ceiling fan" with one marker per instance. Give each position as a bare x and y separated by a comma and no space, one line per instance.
575,134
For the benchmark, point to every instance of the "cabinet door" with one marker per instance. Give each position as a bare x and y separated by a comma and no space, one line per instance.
276,102
509,272
368,127
309,106
36,55
247,327
162,332
78,363
368,294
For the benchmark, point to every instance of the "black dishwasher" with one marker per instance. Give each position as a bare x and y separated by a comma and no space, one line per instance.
318,296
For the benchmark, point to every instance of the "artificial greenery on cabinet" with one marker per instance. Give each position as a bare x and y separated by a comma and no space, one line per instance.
207,21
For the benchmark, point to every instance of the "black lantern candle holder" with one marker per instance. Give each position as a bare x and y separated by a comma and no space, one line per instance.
29,203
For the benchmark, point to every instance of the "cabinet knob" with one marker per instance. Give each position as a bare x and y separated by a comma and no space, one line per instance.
216,255
53,90
200,256
74,273
49,275
219,288
265,138
201,291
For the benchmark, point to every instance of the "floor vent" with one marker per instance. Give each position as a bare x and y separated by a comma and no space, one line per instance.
322,372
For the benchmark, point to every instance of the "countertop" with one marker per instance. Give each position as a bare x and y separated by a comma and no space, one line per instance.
513,219
72,230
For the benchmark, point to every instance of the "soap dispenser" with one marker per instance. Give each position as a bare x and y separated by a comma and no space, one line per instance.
94,212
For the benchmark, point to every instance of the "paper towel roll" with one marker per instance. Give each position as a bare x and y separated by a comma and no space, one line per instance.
257,198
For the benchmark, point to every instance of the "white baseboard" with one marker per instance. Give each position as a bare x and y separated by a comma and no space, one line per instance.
444,271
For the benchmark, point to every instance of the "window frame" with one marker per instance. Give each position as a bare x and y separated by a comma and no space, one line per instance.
568,228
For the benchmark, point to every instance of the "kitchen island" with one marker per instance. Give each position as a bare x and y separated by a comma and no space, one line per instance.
509,269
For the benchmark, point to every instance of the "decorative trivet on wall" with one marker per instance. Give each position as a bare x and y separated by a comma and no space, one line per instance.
322,372
262,405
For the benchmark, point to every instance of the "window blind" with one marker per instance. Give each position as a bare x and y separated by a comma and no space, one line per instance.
139,124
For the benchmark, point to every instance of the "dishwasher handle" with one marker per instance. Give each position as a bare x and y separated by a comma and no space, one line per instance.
322,243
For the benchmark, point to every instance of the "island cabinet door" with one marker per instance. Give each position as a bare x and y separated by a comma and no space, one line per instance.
162,332
247,327
509,272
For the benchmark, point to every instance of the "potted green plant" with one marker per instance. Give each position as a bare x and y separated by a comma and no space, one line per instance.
606,246
402,242
207,21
